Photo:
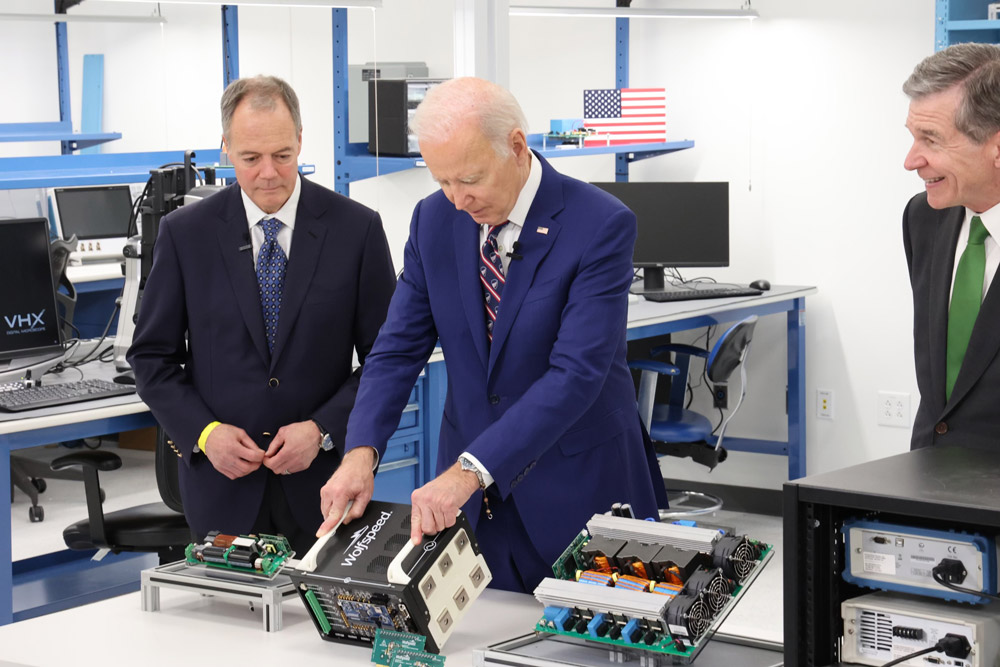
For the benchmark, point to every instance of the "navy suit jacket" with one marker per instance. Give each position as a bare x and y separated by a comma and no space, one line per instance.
549,408
970,417
202,286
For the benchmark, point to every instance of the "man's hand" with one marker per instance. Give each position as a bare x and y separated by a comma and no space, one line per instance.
436,504
293,448
354,480
232,452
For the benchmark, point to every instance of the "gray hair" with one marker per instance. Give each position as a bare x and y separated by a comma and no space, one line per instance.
974,67
450,105
263,93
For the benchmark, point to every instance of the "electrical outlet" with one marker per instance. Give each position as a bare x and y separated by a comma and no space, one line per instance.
894,409
824,403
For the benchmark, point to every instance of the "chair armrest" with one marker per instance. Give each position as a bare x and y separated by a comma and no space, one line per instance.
98,460
660,367
679,348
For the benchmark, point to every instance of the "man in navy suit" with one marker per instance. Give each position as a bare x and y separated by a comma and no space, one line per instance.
257,300
950,237
523,275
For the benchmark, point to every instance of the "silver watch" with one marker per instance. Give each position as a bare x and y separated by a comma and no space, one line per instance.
469,465
326,442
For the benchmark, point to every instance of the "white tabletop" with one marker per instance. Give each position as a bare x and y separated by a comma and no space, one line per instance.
94,271
191,629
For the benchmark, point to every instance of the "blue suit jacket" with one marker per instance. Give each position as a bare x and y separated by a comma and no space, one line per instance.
549,408
202,285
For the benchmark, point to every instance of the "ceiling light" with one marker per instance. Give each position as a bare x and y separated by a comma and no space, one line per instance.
82,18
351,4
632,12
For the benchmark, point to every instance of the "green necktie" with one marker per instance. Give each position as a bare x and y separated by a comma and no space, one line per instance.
966,297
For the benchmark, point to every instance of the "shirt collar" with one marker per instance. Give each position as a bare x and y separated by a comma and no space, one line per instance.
286,213
519,213
990,218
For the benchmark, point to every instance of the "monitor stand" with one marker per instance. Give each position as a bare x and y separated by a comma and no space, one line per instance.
652,281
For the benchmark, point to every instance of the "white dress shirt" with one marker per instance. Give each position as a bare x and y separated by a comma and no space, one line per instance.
286,214
991,220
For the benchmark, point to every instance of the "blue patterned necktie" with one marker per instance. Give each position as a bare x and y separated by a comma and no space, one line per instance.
491,276
271,263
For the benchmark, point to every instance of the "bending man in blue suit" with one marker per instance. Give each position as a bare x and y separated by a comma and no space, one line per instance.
523,275
257,299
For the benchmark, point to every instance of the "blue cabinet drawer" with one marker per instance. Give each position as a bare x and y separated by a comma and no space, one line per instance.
396,480
411,413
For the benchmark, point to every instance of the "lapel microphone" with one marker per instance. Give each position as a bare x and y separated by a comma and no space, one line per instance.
246,240
513,251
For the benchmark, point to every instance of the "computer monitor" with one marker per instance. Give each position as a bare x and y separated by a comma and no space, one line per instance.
98,215
29,322
680,225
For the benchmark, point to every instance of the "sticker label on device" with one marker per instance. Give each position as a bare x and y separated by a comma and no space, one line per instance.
879,563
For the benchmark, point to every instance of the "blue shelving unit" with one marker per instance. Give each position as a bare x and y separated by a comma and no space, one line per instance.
958,21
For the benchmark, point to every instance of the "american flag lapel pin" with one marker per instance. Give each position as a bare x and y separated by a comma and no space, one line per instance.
542,230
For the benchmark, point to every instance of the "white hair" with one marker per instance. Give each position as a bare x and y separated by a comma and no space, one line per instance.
454,103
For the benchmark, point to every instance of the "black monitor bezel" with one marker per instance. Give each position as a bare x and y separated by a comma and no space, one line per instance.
56,192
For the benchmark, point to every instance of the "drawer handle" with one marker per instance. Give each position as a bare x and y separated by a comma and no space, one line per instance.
396,465
411,407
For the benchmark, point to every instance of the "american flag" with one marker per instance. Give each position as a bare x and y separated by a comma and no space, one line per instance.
625,115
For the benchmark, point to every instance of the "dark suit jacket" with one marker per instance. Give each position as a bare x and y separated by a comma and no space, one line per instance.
549,408
972,416
202,285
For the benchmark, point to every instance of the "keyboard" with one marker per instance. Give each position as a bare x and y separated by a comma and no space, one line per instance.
30,398
690,293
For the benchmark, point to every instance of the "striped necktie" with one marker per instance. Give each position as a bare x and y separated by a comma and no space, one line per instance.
271,262
491,277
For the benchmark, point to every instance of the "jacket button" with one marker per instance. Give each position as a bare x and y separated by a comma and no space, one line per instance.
494,399
941,428
273,382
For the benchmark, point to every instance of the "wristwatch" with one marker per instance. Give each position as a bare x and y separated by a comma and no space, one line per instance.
469,465
326,441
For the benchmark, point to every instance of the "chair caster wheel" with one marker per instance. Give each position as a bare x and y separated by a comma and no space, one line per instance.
36,514
39,484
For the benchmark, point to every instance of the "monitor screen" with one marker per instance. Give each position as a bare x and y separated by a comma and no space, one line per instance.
29,322
93,212
680,224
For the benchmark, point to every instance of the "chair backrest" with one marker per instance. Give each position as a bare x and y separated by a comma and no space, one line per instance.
166,472
730,349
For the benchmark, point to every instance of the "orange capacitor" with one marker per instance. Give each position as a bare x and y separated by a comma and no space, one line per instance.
665,589
224,541
633,583
639,568
594,577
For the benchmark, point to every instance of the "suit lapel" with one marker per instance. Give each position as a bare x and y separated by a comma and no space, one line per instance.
466,234
307,242
537,236
238,260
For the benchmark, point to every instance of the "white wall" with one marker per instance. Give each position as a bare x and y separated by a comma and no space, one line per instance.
801,111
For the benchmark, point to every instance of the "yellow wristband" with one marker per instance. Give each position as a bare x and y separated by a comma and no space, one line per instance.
204,435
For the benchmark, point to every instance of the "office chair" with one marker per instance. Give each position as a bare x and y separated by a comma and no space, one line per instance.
26,473
677,431
155,527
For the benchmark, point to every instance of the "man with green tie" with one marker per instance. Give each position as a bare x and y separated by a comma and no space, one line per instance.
949,233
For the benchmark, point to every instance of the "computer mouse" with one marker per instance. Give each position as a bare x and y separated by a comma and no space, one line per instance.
125,378
761,284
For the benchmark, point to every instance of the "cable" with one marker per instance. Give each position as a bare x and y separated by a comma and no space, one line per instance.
952,645
938,573
899,661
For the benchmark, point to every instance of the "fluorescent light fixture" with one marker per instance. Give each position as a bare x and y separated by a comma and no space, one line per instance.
82,18
633,12
349,4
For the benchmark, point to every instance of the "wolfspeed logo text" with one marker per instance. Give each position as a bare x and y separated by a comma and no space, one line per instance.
362,539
